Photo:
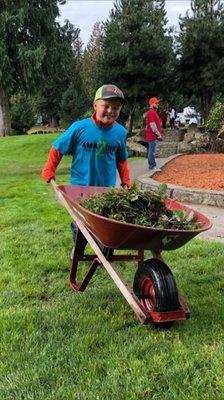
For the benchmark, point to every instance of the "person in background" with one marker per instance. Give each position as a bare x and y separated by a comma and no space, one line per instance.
153,131
172,115
97,145
163,116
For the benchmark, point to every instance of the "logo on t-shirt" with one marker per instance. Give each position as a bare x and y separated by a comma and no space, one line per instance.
100,148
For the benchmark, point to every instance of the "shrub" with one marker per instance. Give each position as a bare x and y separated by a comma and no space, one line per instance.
23,110
216,117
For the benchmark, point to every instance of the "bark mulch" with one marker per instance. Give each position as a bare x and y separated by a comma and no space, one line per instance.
204,171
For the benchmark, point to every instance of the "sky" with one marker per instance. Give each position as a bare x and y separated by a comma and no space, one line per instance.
84,13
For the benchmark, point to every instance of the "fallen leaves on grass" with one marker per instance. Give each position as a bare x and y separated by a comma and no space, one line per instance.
136,206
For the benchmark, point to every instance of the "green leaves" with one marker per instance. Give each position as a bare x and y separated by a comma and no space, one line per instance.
162,189
30,59
216,118
140,207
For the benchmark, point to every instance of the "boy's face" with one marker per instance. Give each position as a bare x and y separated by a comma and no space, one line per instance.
108,110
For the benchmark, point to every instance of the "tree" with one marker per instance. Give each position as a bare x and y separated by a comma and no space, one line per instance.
201,51
137,52
62,64
74,102
25,34
90,62
23,111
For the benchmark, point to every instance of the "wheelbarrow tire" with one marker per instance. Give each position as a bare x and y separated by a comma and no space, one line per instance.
155,286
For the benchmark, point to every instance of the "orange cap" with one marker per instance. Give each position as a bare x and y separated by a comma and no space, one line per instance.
153,100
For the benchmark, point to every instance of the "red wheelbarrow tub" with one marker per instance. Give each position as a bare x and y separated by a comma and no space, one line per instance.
122,235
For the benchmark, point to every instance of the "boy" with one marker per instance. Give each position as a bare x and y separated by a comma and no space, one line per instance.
97,145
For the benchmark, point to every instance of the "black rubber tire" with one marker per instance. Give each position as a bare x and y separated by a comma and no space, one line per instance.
155,286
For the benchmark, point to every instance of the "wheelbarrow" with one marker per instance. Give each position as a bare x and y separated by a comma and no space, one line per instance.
154,297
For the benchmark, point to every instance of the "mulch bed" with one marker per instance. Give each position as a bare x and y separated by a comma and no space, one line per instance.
204,171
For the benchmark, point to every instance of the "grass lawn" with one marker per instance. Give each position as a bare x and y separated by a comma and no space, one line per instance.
57,345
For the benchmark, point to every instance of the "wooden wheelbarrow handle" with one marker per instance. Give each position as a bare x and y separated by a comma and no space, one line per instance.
54,184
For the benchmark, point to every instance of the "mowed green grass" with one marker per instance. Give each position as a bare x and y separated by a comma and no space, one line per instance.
57,345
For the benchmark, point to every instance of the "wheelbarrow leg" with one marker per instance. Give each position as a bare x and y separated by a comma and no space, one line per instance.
79,249
78,255
111,269
140,258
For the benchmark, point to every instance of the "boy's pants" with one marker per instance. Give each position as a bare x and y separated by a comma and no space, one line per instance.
74,229
107,252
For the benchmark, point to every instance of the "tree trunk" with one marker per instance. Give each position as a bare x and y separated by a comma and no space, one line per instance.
206,103
54,123
5,120
131,120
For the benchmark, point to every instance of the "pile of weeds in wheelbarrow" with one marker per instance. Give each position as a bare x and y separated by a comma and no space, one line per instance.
136,206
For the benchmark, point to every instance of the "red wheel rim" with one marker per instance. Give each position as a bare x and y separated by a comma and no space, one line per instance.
147,289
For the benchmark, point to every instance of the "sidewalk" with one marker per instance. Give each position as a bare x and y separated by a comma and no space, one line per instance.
216,214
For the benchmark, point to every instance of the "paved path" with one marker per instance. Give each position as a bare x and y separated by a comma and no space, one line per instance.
216,214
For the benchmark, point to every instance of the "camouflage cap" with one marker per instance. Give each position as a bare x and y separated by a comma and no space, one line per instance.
110,92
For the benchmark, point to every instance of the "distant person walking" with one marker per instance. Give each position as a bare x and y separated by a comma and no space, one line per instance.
153,131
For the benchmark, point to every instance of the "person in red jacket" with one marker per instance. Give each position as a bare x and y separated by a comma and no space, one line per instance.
153,131
97,145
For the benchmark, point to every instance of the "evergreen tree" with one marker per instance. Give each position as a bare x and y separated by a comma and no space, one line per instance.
137,52
90,62
26,31
62,63
74,102
201,51
23,111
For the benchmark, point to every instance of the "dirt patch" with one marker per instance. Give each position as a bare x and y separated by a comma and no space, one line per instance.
204,171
